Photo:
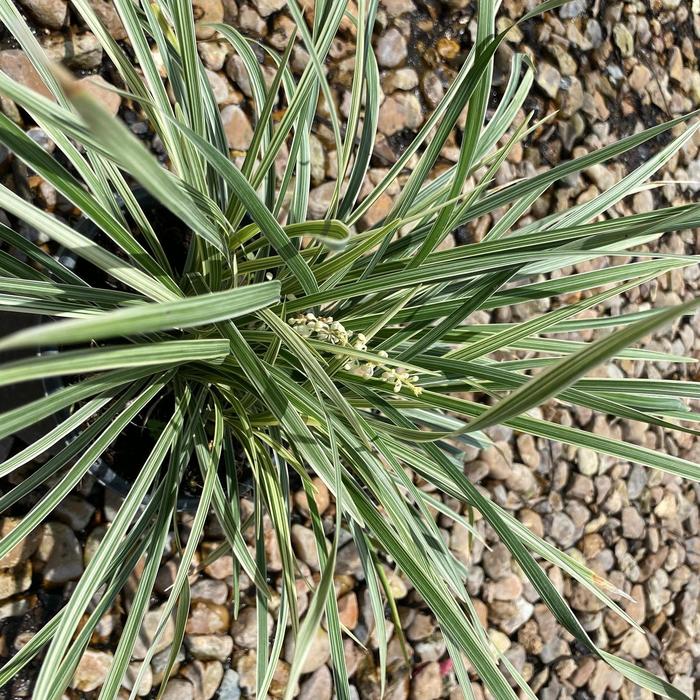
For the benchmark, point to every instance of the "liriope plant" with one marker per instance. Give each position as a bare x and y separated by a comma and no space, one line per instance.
288,348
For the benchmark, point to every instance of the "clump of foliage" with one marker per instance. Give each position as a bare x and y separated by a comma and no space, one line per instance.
346,357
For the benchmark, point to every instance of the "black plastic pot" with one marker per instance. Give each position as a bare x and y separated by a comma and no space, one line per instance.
16,396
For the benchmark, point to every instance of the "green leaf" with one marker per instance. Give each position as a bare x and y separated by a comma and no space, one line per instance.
149,318
77,471
123,147
52,171
257,210
563,374
84,247
166,353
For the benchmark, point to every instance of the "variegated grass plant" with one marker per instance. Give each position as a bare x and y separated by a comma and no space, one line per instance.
307,346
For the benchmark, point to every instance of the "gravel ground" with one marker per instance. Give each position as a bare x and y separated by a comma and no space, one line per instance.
610,69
